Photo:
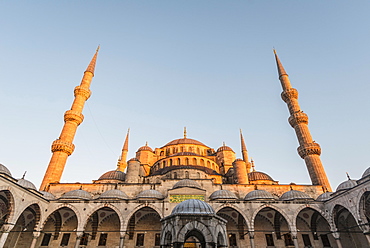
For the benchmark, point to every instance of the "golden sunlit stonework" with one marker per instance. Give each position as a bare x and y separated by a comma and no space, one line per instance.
184,194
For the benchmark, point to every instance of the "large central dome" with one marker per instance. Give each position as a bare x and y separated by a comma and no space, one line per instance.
185,141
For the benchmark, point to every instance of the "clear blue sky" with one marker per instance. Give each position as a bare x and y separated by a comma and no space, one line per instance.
206,65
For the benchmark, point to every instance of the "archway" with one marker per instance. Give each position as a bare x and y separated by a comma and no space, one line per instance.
271,228
102,229
236,226
313,229
144,228
22,231
350,233
6,206
194,239
59,229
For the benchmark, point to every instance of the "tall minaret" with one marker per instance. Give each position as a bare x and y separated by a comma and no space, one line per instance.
63,147
245,152
308,149
122,162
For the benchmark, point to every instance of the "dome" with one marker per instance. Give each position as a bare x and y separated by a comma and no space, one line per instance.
223,194
257,175
186,183
4,170
185,141
366,173
150,193
77,194
184,154
134,159
259,194
26,184
145,148
47,195
295,195
113,175
114,194
346,185
193,206
224,148
324,196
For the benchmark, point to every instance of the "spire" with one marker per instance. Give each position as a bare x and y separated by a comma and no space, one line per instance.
184,132
63,146
122,164
244,147
91,67
244,152
280,67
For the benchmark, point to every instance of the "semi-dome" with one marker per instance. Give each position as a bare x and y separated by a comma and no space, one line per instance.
113,175
150,193
324,196
366,173
114,194
224,148
185,141
193,206
186,183
223,194
259,194
4,170
258,175
145,148
47,195
26,184
295,195
346,185
78,194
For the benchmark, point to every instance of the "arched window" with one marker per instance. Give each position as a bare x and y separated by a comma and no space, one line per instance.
190,149
161,154
164,164
182,149
175,175
198,175
208,164
202,162
198,150
186,161
178,161
194,161
186,174
170,162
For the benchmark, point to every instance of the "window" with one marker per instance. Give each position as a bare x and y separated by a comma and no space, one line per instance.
140,239
232,239
269,240
103,239
306,240
288,239
65,239
186,174
46,239
84,239
157,240
175,175
325,240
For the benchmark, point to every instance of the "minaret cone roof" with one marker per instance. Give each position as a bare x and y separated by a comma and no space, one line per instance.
280,67
91,67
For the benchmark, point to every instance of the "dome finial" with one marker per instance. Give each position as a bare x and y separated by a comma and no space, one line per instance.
146,143
24,174
223,143
349,178
184,132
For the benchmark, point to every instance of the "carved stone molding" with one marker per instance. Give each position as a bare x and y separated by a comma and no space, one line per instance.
309,149
62,146
288,94
82,91
298,117
74,116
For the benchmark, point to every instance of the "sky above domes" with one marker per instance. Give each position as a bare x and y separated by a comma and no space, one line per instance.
164,65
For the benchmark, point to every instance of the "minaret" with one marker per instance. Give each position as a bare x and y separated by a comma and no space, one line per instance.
63,146
245,152
308,149
122,163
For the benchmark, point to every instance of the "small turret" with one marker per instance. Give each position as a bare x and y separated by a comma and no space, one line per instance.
133,171
240,171
122,164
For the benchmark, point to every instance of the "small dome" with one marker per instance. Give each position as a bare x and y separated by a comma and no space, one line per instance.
259,194
223,194
145,148
26,184
224,148
324,196
4,170
366,173
114,194
77,194
113,175
193,206
184,154
150,193
185,141
134,159
346,185
295,195
186,183
48,195
257,175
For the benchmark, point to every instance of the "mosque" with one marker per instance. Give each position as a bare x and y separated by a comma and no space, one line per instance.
183,194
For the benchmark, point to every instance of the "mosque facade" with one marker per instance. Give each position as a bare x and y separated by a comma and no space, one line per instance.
184,194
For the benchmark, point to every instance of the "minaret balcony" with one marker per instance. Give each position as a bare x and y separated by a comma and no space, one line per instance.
297,118
288,94
62,146
73,116
82,91
309,149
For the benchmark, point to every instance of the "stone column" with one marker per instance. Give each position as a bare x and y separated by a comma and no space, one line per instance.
5,232
78,238
121,241
35,236
251,239
367,235
337,239
295,239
